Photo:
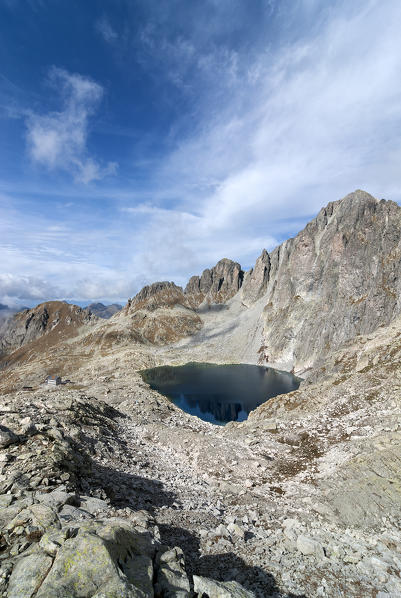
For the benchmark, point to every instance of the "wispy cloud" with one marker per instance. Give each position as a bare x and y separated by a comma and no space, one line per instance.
58,139
105,29
305,123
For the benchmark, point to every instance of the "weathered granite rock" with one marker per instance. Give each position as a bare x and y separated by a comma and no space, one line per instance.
93,505
309,546
57,498
7,437
28,575
105,558
171,578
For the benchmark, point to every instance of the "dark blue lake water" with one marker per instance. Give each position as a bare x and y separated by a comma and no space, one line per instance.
219,393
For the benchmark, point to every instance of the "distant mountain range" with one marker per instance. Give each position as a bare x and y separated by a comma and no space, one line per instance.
103,311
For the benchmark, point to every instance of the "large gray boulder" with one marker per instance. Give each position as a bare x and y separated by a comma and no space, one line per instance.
28,575
171,580
108,558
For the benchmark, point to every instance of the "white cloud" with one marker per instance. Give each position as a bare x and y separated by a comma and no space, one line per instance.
58,139
15,289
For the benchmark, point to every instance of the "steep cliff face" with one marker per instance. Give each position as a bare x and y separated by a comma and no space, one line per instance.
338,278
255,281
216,285
54,320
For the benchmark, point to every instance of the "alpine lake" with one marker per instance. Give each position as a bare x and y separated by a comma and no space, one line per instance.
219,394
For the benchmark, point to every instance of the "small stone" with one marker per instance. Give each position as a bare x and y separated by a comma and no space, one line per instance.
308,546
93,505
269,426
235,529
222,532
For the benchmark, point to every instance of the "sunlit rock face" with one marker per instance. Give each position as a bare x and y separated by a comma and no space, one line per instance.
255,281
338,278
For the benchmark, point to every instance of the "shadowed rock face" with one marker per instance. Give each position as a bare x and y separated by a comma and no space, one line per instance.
216,285
338,278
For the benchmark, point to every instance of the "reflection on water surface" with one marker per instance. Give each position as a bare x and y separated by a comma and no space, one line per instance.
219,393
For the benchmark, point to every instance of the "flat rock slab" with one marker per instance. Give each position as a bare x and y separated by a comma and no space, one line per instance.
220,589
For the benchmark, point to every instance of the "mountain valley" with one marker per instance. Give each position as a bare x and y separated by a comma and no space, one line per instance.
301,499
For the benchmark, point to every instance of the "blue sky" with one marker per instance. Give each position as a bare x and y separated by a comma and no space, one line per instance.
143,140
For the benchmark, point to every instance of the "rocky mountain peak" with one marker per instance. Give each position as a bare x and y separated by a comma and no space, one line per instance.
217,284
159,314
103,311
158,294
